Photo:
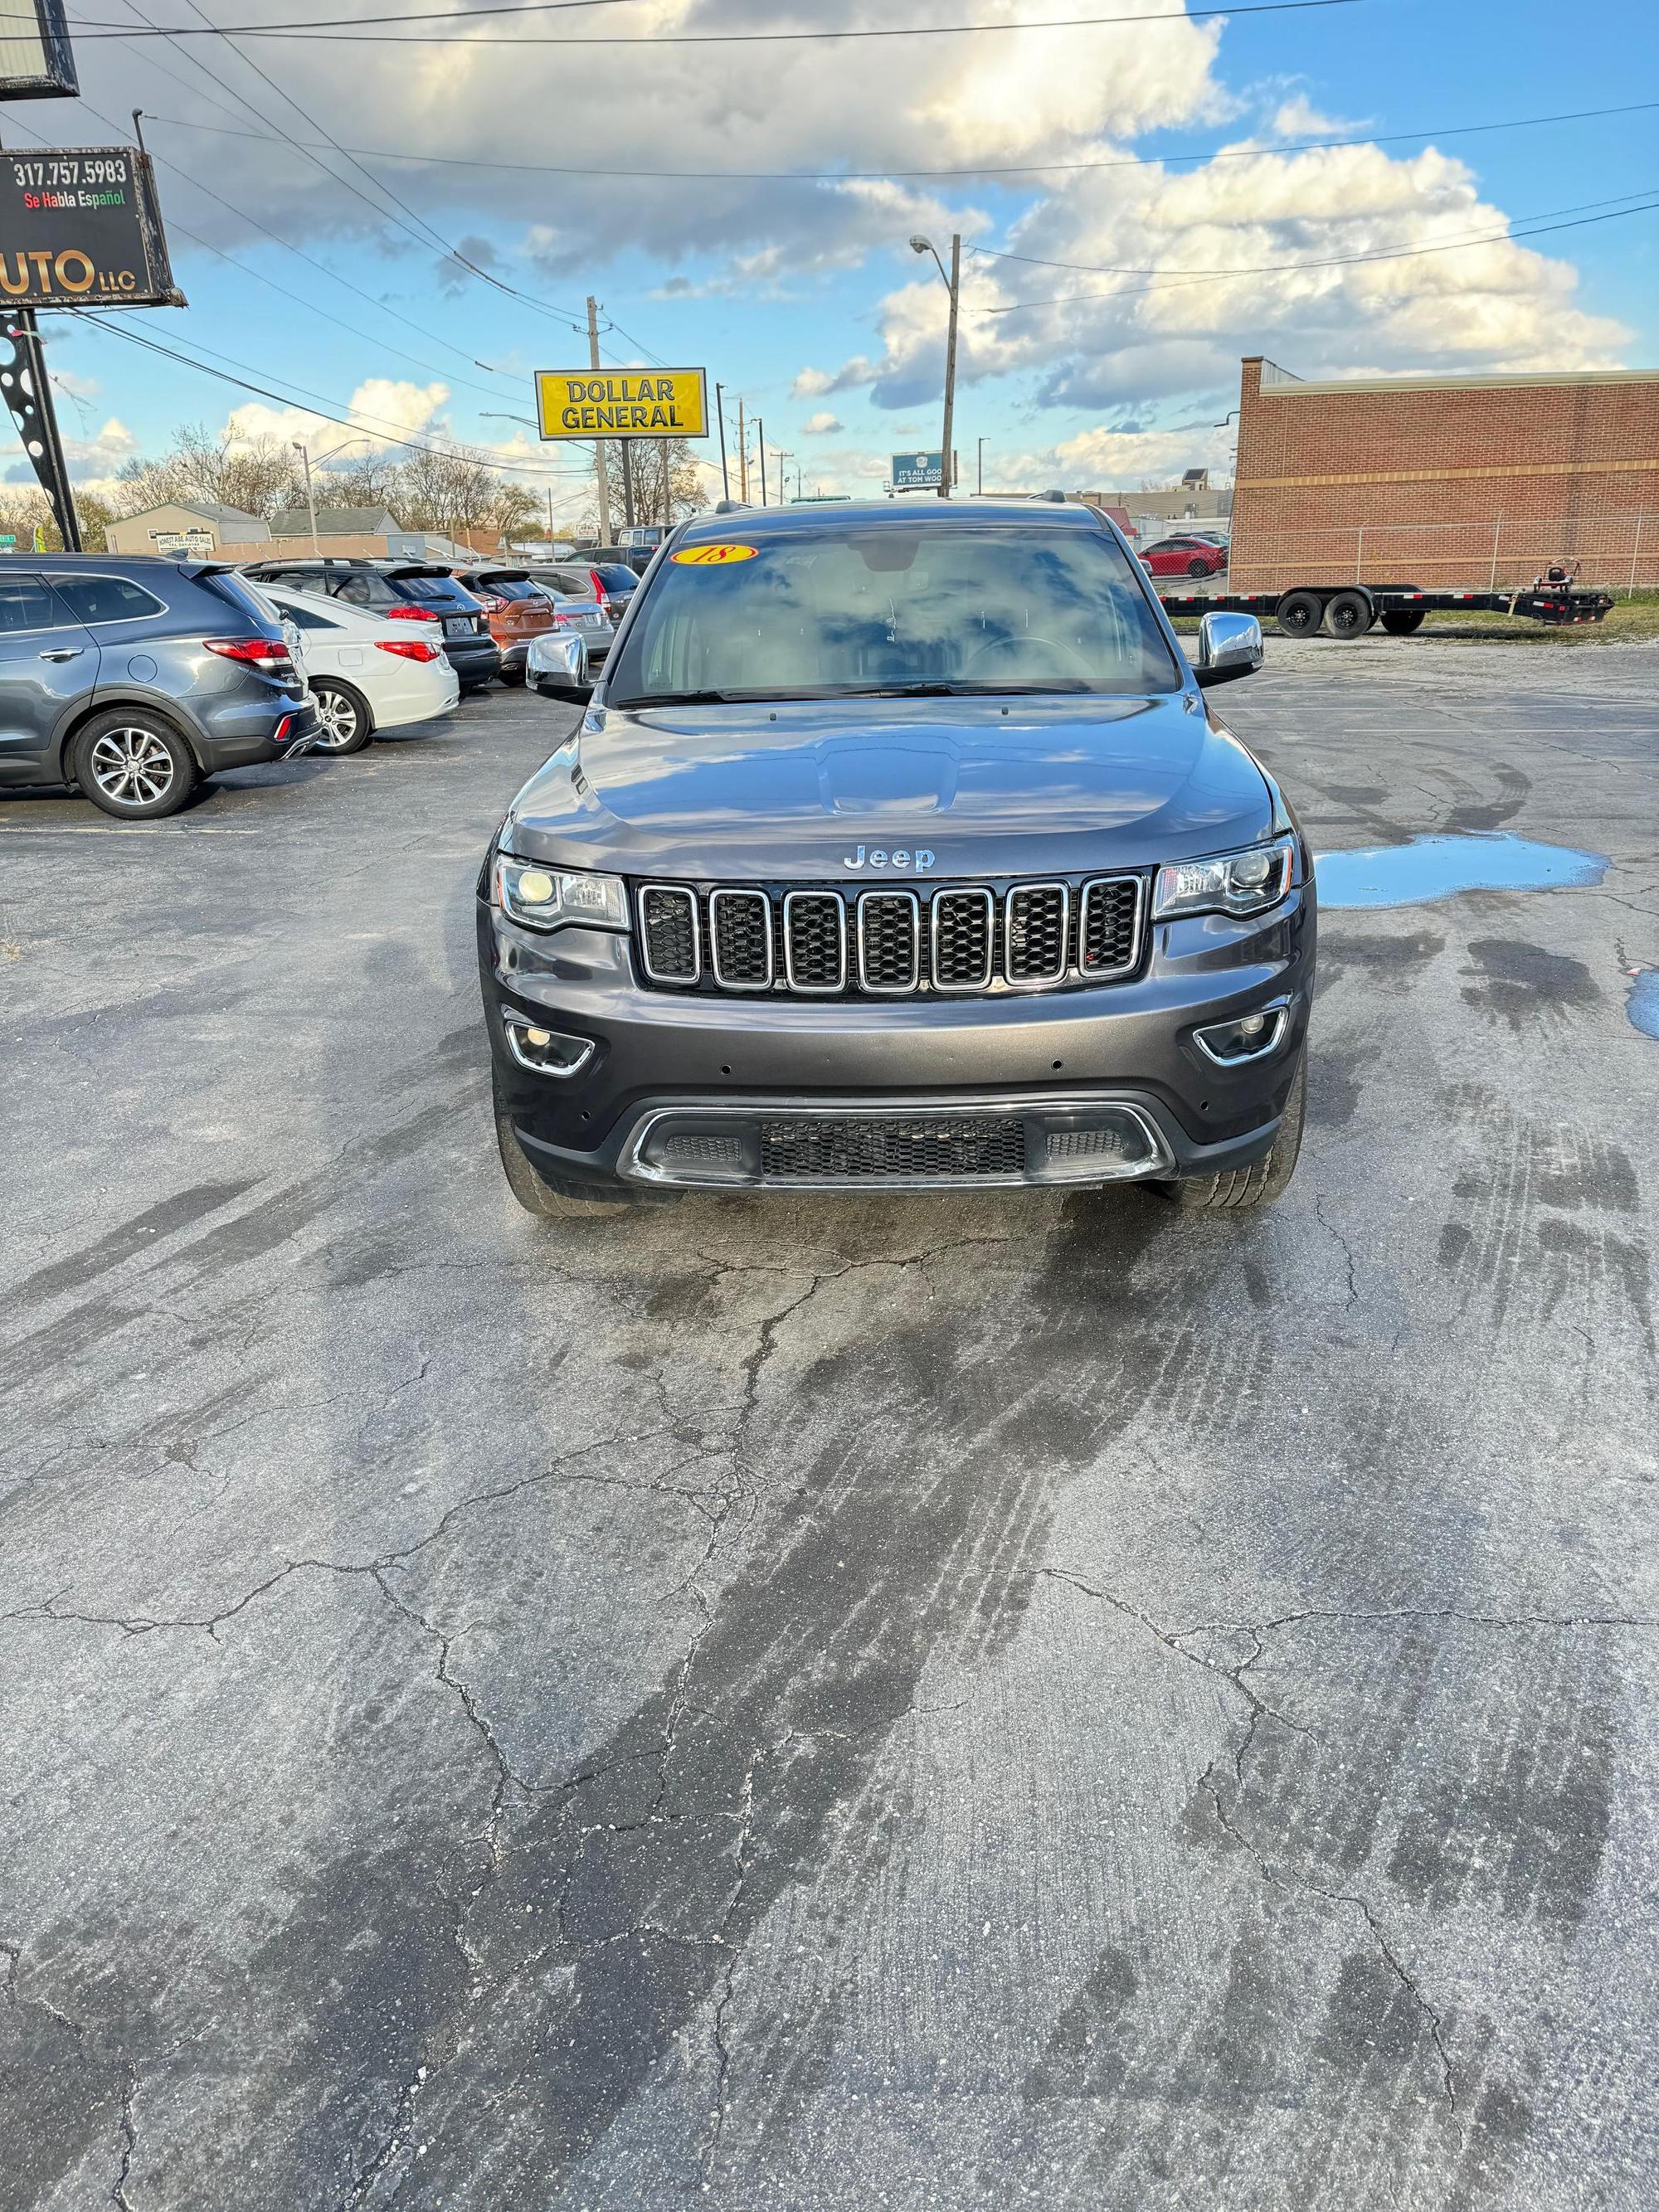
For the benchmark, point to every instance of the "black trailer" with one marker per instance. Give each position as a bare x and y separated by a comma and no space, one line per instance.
1350,609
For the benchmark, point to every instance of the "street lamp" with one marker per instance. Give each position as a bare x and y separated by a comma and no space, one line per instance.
952,285
980,471
311,501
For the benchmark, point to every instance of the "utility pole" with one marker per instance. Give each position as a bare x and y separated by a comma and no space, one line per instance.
743,457
311,498
719,410
981,466
783,475
946,458
549,518
760,440
28,394
628,481
599,443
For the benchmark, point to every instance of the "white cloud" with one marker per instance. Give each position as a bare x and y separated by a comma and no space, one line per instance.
390,412
821,425
1297,117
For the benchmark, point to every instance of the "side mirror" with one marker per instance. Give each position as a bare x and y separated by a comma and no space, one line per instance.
557,667
1229,645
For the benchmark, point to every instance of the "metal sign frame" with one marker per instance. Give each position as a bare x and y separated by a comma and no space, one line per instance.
103,196
36,59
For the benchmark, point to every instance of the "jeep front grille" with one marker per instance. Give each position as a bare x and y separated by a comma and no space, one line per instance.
830,942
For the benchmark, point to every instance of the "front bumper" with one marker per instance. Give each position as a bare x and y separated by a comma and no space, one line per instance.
1116,1053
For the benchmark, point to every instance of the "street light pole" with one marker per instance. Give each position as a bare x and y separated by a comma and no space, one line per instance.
953,286
311,501
719,410
760,444
980,471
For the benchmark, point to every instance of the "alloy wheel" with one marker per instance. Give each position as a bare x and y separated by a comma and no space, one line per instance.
339,717
132,767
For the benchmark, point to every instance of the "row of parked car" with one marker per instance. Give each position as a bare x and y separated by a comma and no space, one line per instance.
133,677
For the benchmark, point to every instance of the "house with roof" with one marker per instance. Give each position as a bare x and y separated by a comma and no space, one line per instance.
193,528
337,522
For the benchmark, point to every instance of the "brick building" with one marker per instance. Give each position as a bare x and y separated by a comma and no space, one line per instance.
1445,480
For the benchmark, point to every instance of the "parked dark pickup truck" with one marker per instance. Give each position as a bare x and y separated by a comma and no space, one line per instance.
898,849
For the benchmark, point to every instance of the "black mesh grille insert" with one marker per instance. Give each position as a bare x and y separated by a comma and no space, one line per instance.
1036,932
1106,940
888,940
891,1149
962,939
740,928
815,923
668,921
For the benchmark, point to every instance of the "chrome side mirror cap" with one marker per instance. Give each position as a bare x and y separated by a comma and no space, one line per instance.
557,667
1229,646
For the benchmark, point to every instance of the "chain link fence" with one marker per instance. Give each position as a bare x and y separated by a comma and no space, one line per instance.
1616,553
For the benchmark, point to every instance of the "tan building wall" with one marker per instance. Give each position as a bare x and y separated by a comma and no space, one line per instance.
138,532
1445,481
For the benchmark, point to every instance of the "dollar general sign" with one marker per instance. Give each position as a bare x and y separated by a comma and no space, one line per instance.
622,402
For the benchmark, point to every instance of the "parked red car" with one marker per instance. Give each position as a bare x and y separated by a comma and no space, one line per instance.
1185,556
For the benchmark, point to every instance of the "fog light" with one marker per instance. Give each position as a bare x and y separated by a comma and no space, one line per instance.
1246,1037
546,1052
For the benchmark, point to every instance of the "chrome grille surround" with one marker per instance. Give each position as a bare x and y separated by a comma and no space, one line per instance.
839,941
800,954
670,938
740,939
890,922
1031,908
1125,942
952,922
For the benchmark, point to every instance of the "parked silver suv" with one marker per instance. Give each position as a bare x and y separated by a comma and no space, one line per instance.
132,678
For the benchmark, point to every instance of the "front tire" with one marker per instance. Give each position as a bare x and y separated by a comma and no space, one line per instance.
133,765
346,719
1237,1188
545,1196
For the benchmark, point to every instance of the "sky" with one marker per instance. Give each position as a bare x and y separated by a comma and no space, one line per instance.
1140,202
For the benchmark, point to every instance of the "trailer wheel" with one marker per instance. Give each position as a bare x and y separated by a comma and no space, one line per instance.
1402,622
1348,614
1298,613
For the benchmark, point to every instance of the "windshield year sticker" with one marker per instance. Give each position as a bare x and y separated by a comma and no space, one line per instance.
712,556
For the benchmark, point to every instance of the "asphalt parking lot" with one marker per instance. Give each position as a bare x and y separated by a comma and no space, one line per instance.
953,1702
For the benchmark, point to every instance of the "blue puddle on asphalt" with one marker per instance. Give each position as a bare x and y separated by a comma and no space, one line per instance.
1436,867
1643,1004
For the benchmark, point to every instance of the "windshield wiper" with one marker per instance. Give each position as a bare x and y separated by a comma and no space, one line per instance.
941,688
680,699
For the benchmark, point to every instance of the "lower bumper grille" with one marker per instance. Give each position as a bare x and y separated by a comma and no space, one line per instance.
915,1143
891,1150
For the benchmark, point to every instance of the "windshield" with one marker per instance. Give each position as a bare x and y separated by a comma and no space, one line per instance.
890,609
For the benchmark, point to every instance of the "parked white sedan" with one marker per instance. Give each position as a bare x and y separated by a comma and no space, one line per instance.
364,672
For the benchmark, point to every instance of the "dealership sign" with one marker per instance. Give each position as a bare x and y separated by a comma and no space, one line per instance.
35,61
918,471
622,402
80,228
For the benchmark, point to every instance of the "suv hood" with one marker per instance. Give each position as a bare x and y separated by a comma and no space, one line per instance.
809,791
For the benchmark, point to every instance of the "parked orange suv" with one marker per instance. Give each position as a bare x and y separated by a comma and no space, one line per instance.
515,610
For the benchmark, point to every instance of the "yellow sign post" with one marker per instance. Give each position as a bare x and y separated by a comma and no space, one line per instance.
622,402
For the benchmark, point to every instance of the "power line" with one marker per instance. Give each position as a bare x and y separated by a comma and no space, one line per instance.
181,230
326,33
426,235
1000,169
1472,238
357,419
1336,261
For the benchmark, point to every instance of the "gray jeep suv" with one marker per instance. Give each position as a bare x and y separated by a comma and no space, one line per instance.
132,678
899,848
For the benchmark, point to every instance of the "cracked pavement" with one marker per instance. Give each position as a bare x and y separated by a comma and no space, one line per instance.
981,1700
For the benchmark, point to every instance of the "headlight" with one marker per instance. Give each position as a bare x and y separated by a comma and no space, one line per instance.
554,898
1232,882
